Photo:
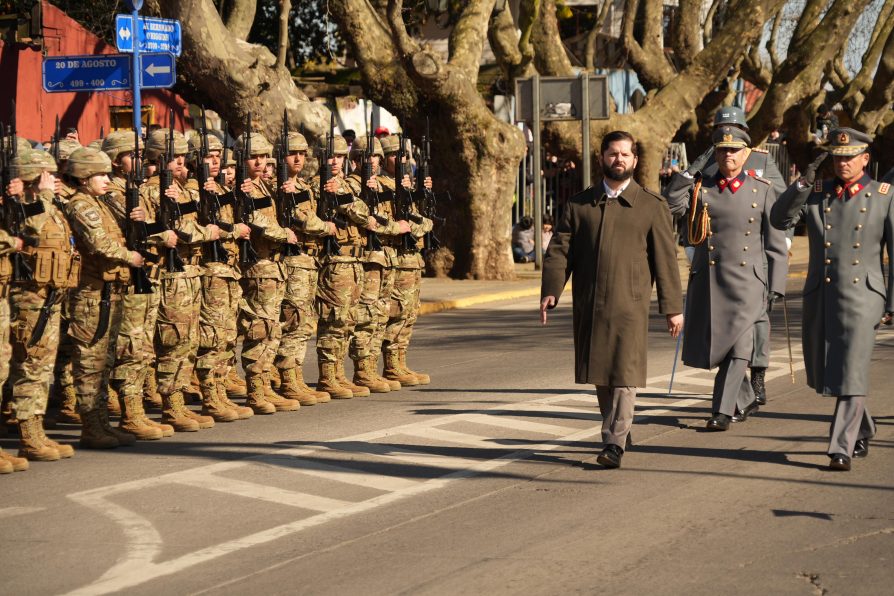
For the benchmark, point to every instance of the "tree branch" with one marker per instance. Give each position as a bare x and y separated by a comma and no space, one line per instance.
505,42
808,21
773,40
468,35
880,34
648,58
240,17
550,57
285,8
593,35
687,34
876,108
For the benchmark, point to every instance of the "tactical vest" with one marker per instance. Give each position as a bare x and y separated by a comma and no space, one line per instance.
350,234
227,215
386,207
95,268
188,203
54,261
306,202
5,273
263,200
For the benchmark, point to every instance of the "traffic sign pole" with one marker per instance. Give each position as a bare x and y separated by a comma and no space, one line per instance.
137,78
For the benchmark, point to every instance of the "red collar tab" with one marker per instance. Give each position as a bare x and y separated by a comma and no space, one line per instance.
733,184
853,188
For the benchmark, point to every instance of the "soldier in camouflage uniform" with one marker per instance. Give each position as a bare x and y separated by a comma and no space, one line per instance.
135,353
404,307
35,305
263,284
298,315
221,291
177,325
8,244
95,305
341,279
371,313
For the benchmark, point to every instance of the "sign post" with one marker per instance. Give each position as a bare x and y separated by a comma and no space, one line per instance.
135,6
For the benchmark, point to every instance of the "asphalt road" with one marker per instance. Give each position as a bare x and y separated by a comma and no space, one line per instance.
484,482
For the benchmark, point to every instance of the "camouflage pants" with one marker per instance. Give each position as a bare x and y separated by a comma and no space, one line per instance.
135,350
177,332
259,322
62,370
89,359
298,315
217,323
5,348
371,314
403,309
31,368
337,297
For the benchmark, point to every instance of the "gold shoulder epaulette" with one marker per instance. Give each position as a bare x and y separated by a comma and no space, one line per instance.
759,179
756,150
884,189
818,186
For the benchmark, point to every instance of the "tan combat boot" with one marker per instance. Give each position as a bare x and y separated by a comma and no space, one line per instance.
134,421
94,431
114,404
279,402
275,378
16,464
356,390
211,404
174,412
243,412
166,429
6,466
321,396
290,388
394,372
124,439
392,384
236,386
421,378
365,376
31,443
151,396
328,382
69,411
65,451
257,395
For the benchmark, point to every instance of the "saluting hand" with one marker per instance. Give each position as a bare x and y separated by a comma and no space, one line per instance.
47,182
15,187
810,172
546,303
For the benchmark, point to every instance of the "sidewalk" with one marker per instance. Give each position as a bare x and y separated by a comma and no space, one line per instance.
440,294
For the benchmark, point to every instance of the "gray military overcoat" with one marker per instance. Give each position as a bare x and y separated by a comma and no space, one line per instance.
845,294
613,260
727,280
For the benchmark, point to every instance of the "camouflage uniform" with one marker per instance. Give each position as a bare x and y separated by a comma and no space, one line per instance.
298,315
404,305
341,281
371,313
8,463
219,310
104,275
55,265
263,287
177,325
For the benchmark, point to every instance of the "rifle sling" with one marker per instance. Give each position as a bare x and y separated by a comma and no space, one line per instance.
32,209
263,202
344,199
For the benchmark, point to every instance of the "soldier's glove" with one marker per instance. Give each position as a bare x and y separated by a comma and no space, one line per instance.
810,173
888,318
772,298
700,162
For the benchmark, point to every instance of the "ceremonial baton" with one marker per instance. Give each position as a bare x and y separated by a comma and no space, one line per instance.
788,338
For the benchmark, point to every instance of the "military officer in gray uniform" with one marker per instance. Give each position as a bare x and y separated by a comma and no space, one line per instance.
758,163
729,226
849,219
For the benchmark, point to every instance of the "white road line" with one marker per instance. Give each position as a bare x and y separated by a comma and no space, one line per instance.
402,453
504,421
263,492
14,511
449,436
339,473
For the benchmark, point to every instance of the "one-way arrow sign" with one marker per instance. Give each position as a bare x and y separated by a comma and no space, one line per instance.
158,71
155,35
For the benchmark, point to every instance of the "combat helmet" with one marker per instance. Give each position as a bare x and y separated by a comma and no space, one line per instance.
86,162
29,165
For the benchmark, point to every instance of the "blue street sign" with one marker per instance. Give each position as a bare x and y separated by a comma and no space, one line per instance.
155,35
107,72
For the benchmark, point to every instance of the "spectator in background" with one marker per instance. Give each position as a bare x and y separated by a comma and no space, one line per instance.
350,136
523,240
381,132
826,120
547,230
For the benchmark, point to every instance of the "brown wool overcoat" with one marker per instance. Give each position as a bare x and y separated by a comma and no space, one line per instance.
612,274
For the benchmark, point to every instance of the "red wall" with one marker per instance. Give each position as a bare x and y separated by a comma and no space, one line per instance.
36,110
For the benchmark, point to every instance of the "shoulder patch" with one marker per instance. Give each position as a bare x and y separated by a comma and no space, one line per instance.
756,150
87,211
759,179
884,188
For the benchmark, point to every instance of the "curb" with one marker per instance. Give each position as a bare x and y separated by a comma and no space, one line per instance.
427,308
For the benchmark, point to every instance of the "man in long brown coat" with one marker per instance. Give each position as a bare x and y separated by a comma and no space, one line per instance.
616,240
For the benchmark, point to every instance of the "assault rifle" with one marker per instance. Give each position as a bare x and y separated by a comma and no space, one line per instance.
136,232
285,201
370,196
222,174
426,199
403,198
245,205
326,209
14,210
168,209
209,201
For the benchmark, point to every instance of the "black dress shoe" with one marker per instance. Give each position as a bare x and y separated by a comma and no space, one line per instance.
757,385
611,456
840,462
744,414
861,448
718,422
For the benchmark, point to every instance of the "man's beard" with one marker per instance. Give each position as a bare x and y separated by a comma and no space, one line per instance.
611,174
